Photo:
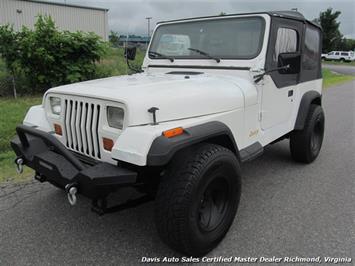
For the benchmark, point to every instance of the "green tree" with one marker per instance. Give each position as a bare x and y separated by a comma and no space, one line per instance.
331,34
49,57
346,45
114,38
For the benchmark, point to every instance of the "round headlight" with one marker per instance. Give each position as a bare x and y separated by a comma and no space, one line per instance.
56,106
115,117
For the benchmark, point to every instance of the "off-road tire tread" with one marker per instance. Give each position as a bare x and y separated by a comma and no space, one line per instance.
175,191
298,140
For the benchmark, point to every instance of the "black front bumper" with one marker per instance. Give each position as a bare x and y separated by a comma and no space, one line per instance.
52,162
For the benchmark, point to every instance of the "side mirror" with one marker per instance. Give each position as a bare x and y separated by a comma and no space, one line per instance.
130,53
293,60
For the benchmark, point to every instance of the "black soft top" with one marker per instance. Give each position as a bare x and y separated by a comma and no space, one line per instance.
294,15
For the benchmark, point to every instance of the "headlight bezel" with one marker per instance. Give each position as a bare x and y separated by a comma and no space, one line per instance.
115,117
55,104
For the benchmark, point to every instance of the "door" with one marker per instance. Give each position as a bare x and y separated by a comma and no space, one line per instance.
279,89
330,55
335,56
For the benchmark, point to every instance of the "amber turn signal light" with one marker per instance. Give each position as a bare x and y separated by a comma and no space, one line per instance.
58,129
173,132
108,144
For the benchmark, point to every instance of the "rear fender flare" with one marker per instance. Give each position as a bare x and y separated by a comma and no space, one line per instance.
310,97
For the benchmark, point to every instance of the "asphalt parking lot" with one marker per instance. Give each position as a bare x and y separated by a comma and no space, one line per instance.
287,209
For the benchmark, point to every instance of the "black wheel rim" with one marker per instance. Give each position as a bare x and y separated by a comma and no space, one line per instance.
317,136
213,204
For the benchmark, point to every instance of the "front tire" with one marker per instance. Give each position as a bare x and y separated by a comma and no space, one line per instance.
198,198
305,144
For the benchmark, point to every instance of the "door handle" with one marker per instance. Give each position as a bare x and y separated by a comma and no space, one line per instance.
290,93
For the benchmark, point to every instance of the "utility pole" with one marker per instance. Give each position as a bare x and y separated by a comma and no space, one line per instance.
148,35
148,20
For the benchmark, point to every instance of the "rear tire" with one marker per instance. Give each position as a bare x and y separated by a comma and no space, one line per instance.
198,198
305,144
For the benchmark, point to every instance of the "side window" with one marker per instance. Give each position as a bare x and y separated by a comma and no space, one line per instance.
286,42
331,53
311,54
337,53
346,54
285,37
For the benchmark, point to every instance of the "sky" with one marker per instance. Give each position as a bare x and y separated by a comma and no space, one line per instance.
128,16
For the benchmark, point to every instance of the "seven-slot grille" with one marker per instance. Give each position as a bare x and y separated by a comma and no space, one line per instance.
81,123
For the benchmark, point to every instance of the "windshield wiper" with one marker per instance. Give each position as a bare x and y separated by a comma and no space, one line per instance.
161,56
205,54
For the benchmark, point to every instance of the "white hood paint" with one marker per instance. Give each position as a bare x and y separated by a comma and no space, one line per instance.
176,96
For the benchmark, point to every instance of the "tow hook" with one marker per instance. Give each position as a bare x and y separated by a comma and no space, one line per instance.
71,193
19,165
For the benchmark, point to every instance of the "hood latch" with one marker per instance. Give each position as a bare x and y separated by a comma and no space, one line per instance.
153,110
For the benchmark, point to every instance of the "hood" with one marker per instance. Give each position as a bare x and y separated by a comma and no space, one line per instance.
177,96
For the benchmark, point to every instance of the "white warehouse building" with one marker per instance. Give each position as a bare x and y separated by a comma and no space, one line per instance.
66,16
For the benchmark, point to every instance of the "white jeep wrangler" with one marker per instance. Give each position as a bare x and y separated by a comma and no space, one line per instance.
212,92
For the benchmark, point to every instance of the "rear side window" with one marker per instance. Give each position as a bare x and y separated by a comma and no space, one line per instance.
286,42
346,54
311,54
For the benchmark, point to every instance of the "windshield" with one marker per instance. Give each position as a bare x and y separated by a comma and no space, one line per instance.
228,38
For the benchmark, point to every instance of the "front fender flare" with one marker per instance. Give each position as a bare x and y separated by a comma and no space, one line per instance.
163,149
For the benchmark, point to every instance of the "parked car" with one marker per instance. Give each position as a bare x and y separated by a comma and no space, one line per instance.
339,56
206,101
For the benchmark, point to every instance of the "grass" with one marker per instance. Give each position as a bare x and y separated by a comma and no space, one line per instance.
352,63
114,64
8,172
13,111
331,79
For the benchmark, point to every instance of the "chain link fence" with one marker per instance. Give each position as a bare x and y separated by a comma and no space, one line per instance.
13,86
7,86
7,81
